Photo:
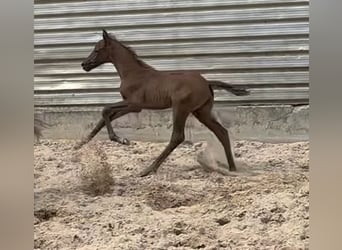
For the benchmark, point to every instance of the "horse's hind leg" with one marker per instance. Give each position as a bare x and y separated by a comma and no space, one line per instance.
205,116
177,137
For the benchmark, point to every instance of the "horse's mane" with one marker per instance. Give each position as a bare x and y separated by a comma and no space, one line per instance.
132,52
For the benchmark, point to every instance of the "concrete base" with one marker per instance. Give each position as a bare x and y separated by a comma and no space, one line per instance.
279,123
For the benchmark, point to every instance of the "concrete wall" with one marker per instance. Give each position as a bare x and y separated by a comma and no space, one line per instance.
278,123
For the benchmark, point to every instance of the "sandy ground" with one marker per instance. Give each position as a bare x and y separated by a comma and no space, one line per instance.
181,207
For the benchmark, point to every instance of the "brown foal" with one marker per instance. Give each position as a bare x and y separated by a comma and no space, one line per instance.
144,87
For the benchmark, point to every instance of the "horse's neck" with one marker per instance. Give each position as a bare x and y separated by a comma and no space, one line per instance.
125,63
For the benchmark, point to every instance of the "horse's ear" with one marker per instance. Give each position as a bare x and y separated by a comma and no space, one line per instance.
105,35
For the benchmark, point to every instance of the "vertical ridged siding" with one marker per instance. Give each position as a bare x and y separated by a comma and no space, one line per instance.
262,44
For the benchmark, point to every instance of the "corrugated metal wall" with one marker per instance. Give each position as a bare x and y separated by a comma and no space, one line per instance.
262,44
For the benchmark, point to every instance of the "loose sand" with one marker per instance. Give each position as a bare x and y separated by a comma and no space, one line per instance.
180,207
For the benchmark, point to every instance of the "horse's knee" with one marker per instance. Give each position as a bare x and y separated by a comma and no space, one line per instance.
221,128
106,112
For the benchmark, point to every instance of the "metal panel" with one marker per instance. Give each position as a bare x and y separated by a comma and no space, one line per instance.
183,48
171,18
77,7
262,44
146,34
258,96
104,82
188,63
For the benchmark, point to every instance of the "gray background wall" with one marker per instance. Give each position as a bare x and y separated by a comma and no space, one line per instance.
260,44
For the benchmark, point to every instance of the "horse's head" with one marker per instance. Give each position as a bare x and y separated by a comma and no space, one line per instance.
99,55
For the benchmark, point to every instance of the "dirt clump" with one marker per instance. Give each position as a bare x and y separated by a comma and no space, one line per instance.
96,176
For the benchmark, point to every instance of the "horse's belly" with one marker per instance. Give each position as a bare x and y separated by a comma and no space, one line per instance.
149,100
157,103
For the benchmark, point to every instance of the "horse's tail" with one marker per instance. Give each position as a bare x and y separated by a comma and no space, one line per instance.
239,91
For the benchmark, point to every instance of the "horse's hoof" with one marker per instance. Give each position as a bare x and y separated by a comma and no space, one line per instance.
143,174
120,140
77,146
146,172
125,141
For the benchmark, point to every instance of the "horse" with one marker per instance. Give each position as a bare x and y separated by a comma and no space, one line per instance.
144,87
39,125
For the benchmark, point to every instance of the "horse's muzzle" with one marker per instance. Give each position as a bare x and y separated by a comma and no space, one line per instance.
86,66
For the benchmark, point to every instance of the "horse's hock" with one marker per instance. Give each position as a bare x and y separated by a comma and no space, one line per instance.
278,123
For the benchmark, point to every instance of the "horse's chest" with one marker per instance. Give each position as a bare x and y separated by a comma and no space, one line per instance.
128,92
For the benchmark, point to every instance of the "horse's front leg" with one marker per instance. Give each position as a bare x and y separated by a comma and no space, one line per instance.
109,114
112,112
